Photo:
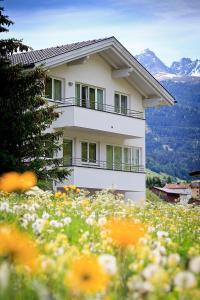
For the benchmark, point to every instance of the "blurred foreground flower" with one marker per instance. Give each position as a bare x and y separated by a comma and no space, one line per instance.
124,232
13,181
17,248
87,276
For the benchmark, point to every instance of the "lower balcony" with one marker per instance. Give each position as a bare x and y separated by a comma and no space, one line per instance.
103,175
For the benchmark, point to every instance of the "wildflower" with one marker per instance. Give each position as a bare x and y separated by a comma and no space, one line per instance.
108,263
78,190
86,275
194,264
90,220
18,248
9,182
4,206
27,180
173,259
38,225
13,181
136,283
102,221
67,220
185,279
45,215
124,232
161,234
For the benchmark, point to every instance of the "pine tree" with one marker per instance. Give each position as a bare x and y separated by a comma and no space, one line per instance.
25,116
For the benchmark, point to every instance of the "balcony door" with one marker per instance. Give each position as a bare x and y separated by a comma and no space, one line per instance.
121,104
89,96
67,152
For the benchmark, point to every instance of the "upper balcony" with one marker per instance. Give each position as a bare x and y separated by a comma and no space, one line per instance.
103,118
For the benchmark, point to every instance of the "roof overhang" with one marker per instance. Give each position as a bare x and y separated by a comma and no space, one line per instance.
124,65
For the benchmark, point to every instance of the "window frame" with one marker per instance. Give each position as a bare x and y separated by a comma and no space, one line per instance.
73,147
62,80
120,94
96,88
88,153
124,165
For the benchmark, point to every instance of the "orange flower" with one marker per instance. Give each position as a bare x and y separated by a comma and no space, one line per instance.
13,181
86,275
9,182
124,232
18,248
27,180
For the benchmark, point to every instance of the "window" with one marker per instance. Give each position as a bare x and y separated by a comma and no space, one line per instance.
121,103
88,152
53,89
89,96
123,158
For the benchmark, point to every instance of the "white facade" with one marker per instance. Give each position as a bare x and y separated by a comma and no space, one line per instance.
104,139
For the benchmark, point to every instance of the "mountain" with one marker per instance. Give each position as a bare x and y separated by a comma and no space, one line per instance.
173,133
151,62
184,67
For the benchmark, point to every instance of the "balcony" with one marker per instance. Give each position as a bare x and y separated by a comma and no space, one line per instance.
102,175
103,118
105,165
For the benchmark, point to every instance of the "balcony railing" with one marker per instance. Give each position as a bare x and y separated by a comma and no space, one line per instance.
105,165
65,102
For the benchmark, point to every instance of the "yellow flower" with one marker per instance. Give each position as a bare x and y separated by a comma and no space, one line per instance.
124,232
57,194
78,190
86,275
18,248
72,187
13,181
66,188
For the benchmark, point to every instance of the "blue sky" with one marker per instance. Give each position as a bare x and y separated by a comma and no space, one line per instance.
170,28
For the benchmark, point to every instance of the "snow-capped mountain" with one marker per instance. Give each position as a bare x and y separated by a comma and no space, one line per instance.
173,133
183,68
153,64
186,67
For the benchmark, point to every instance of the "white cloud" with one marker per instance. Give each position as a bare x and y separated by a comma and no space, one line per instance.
170,36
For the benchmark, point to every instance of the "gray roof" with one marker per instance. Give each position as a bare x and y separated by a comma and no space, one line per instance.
31,57
171,191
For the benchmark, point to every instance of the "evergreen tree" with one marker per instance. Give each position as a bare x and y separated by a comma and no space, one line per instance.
25,116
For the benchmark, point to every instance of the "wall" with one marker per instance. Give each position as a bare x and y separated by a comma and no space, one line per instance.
97,72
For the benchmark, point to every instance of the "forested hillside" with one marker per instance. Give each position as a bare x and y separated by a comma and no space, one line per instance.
173,133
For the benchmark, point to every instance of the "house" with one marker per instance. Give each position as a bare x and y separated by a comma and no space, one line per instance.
102,92
179,186
173,195
195,187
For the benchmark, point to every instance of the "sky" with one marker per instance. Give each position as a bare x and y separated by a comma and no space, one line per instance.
170,28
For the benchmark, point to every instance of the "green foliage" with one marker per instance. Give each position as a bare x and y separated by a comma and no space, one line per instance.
25,137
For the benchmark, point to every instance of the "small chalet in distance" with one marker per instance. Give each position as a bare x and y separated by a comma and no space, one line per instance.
102,92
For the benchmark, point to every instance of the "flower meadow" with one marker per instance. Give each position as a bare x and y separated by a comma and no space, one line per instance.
69,245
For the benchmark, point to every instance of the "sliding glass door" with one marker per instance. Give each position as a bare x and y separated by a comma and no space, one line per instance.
117,158
121,104
67,152
109,156
123,158
89,96
127,159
